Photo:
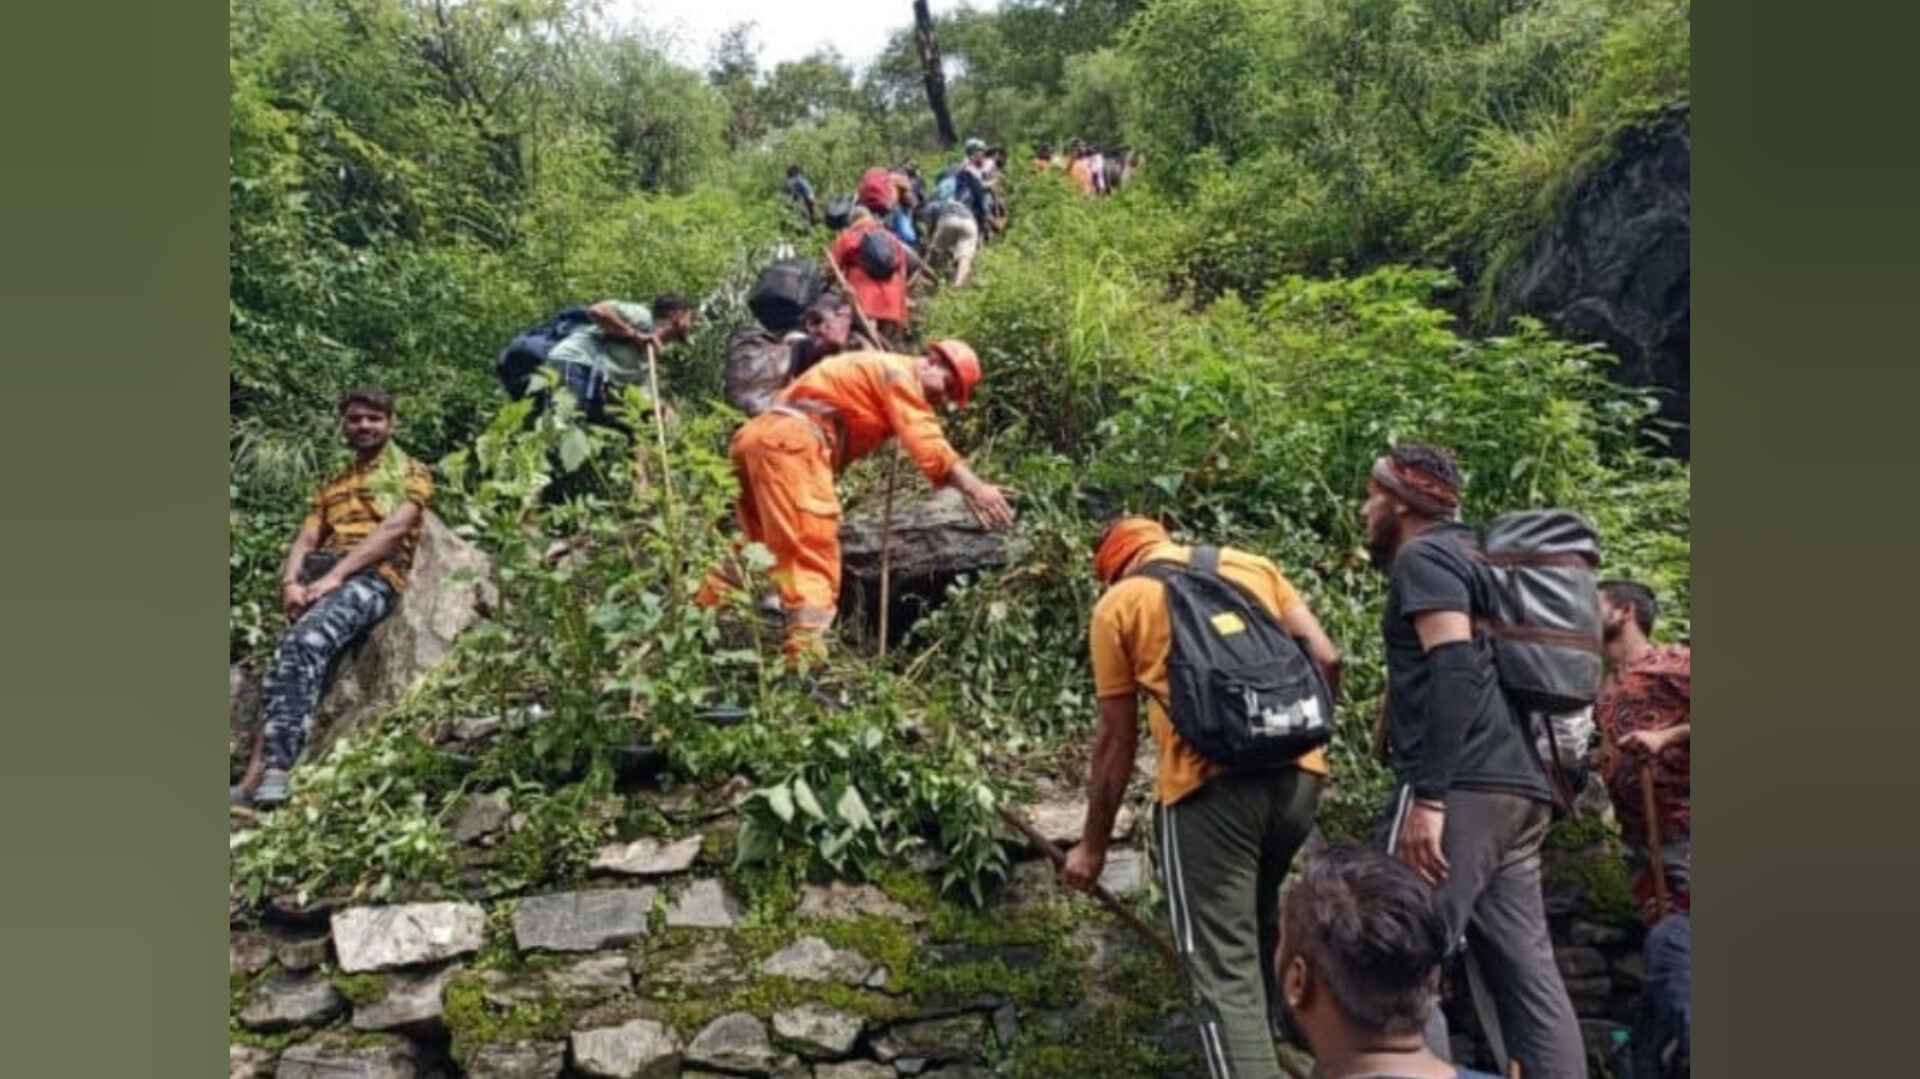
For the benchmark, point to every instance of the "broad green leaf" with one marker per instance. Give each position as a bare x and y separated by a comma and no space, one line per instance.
781,801
803,797
853,810
573,449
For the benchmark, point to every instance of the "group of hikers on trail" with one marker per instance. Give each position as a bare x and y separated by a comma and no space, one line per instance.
1493,637
1094,171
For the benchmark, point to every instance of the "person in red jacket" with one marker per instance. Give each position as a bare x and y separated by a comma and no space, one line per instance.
842,409
881,299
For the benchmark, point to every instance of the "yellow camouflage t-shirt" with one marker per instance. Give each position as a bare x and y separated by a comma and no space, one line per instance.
347,508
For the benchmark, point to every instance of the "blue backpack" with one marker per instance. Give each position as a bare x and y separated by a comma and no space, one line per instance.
947,186
530,348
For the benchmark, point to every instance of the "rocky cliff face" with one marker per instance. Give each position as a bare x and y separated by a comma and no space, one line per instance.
1616,267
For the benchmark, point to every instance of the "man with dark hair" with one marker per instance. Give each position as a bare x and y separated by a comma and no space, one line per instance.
761,364
344,573
609,351
1358,967
1226,836
801,192
1645,716
1473,804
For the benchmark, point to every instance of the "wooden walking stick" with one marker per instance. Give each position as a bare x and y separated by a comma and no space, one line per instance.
893,469
1107,900
1105,897
1659,865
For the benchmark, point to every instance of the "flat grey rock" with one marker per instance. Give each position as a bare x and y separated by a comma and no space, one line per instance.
648,857
248,953
582,921
249,1062
285,1001
1060,820
414,1005
381,938
816,1031
853,1069
518,1060
335,1057
595,975
706,904
734,1042
482,815
640,1049
956,1037
811,959
840,901
1125,873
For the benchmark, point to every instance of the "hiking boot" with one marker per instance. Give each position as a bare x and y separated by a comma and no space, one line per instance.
274,788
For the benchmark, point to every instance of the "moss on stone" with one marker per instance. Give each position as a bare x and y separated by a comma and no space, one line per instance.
767,995
361,988
473,1021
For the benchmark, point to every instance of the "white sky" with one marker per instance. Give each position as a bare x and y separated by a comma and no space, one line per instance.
788,29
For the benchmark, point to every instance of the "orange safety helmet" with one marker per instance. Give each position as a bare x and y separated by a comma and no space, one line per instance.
966,366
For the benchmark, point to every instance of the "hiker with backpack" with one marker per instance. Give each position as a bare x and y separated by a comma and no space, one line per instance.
345,572
760,363
801,192
608,350
873,260
955,238
1645,716
1473,800
1240,682
786,458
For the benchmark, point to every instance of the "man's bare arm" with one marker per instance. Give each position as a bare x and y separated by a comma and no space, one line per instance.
1298,621
378,544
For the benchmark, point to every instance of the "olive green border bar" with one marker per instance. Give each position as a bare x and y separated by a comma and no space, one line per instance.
113,284
1804,387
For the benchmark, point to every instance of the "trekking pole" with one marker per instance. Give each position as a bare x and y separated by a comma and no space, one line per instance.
893,468
1105,897
660,429
1659,865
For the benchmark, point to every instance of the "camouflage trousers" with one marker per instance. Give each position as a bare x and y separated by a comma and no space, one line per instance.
301,668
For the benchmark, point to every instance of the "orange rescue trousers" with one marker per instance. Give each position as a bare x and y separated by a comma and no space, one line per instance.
787,503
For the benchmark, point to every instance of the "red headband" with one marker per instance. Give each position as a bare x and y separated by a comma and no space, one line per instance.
1427,494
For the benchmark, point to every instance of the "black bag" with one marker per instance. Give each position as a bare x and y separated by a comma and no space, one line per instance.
782,292
1242,692
839,211
878,254
1541,617
531,346
1543,608
759,366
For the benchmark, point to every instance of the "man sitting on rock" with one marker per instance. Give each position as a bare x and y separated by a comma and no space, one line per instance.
345,572
1358,966
1226,837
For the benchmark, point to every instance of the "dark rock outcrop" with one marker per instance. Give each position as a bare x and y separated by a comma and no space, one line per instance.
1616,267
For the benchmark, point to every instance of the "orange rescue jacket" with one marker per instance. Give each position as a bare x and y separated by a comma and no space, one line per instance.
858,399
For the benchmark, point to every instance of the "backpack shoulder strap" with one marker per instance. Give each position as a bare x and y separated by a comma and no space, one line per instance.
1206,559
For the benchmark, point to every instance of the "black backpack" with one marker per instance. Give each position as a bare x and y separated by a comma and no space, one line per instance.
1242,692
1541,618
531,346
840,211
782,292
878,256
1543,608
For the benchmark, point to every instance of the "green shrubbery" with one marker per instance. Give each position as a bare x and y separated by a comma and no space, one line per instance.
1160,351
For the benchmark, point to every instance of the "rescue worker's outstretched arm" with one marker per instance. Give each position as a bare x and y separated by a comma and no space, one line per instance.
988,503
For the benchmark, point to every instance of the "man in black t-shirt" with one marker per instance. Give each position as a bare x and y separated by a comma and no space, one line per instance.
1472,804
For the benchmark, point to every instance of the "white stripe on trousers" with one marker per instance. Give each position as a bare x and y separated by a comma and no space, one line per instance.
1180,915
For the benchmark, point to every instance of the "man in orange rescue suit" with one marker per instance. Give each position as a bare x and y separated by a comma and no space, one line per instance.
786,458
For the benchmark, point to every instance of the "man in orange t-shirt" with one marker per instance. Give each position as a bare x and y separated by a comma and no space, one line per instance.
786,457
1225,838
